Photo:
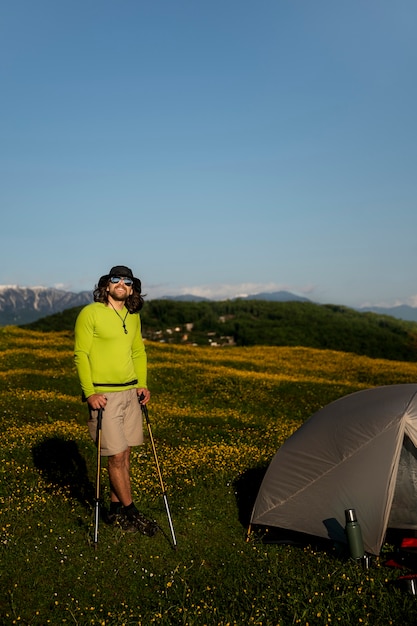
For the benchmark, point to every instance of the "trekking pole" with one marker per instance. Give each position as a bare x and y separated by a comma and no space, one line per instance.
164,493
97,501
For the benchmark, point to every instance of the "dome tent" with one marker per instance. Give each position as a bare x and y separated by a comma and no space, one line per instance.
357,452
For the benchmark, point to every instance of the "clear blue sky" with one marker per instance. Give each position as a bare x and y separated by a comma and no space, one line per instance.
216,147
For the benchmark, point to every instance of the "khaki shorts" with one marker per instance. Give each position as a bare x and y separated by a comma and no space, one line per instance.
121,425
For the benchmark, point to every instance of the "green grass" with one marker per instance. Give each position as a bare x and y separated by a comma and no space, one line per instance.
218,417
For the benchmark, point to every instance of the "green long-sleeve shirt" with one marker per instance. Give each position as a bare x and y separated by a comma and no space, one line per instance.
104,353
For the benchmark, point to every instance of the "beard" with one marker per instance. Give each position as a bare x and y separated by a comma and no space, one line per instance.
119,295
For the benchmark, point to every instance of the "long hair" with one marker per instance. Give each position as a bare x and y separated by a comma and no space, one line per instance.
134,302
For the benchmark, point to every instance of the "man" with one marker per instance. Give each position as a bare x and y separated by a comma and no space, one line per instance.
111,363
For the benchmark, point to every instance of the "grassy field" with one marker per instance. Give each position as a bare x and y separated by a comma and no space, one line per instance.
218,417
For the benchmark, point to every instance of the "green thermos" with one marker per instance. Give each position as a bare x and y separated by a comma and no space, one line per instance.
354,535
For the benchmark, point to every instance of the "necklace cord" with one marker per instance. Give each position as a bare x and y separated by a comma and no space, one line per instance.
123,319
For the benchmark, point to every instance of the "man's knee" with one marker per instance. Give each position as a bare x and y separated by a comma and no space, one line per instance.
118,460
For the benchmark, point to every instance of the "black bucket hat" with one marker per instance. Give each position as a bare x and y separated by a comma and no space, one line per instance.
123,272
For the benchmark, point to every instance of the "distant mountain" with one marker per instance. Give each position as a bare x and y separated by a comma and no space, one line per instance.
402,312
186,297
275,296
22,305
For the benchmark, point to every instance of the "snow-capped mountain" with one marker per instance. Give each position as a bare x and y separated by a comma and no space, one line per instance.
21,305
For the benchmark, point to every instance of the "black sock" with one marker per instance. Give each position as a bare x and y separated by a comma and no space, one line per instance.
115,507
130,510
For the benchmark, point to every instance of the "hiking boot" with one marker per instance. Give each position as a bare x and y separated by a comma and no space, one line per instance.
143,524
111,517
122,521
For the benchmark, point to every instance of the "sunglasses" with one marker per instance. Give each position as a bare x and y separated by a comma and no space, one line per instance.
116,279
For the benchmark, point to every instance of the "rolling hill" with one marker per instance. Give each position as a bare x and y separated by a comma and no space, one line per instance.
260,322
